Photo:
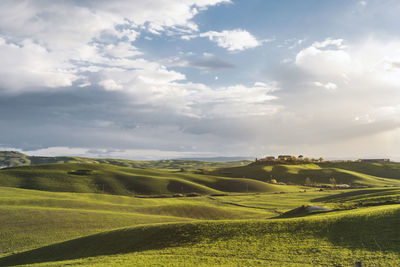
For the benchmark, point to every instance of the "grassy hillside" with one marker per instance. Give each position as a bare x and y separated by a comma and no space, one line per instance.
31,218
339,239
387,170
14,159
360,174
364,197
105,178
96,214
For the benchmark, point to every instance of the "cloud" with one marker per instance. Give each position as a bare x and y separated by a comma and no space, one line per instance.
328,57
74,75
47,44
236,101
328,86
337,43
292,43
29,65
210,61
371,60
234,40
206,61
67,23
359,101
182,120
363,3
138,154
121,50
110,85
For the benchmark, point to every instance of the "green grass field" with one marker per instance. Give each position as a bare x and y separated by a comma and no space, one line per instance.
333,239
98,178
352,173
93,214
15,159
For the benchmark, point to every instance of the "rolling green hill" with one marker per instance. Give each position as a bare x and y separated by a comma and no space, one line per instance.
338,239
356,174
106,178
97,214
387,170
31,218
364,197
14,159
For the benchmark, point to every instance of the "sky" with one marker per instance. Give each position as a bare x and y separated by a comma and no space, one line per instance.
163,79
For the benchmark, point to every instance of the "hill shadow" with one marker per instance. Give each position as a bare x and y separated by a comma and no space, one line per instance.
109,243
344,196
373,232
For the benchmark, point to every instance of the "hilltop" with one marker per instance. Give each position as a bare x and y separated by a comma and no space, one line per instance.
357,174
14,159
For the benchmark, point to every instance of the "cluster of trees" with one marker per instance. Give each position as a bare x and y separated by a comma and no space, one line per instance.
313,160
308,182
291,159
303,159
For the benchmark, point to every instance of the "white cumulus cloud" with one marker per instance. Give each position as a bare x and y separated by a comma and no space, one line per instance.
370,60
328,57
328,86
28,64
234,40
110,85
53,44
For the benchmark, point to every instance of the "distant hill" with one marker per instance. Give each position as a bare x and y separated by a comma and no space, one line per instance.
106,178
220,159
352,173
14,159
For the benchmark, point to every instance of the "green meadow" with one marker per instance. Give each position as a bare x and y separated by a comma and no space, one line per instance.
106,178
97,214
352,173
15,159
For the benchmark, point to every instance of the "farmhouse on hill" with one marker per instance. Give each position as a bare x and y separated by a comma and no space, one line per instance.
268,158
284,157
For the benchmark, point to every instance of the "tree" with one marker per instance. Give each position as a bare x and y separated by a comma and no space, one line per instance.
320,159
308,181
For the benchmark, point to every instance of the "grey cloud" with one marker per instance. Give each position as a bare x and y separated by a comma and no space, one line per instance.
154,114
396,65
210,63
74,118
